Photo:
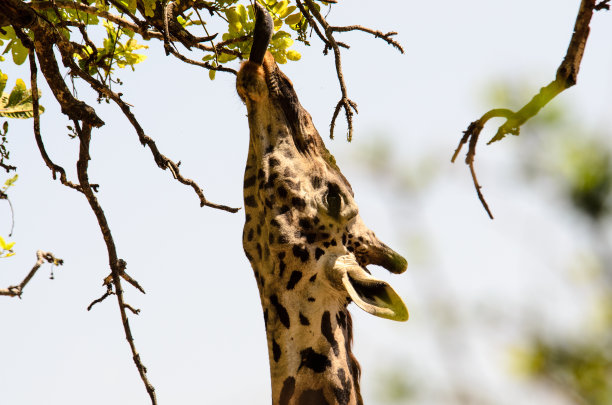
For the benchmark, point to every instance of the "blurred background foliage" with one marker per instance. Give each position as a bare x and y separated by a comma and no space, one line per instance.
564,162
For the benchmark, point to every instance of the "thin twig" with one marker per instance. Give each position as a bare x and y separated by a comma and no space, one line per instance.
344,102
132,309
378,34
8,168
116,264
124,10
566,77
109,292
312,23
205,65
41,257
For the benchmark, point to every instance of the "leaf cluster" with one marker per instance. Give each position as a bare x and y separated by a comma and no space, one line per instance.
17,103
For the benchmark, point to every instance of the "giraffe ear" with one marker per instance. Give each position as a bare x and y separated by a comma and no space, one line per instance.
369,293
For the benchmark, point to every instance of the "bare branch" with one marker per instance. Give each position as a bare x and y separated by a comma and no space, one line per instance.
36,114
312,23
41,257
117,265
109,292
566,77
6,167
162,161
344,102
378,34
132,309
205,65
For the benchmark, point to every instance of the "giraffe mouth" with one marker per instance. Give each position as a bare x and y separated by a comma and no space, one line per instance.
372,295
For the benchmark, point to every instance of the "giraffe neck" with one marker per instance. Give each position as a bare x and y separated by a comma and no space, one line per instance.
309,334
314,366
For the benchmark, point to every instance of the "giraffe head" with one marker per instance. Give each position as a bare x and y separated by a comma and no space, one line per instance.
306,222
306,242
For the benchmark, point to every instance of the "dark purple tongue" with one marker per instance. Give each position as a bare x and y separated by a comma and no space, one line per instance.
264,27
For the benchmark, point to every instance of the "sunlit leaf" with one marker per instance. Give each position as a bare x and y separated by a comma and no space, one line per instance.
293,55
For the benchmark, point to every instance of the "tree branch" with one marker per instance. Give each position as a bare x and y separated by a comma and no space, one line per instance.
139,28
378,34
566,77
344,102
36,114
116,264
41,257
162,161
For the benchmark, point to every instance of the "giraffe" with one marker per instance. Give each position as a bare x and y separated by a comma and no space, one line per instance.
306,242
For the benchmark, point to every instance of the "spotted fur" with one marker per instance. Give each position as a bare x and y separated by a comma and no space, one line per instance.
300,215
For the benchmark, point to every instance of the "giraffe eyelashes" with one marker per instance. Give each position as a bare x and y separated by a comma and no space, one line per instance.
338,204
333,200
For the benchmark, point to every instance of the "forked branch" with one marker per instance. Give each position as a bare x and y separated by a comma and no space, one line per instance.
566,77
41,257
326,33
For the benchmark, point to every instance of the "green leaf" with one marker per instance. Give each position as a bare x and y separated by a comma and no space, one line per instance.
149,7
19,52
11,181
287,11
211,74
277,24
293,19
18,104
280,58
232,15
3,244
293,55
242,13
3,79
225,57
280,7
17,94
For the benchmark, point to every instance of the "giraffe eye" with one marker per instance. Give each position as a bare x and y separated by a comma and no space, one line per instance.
333,199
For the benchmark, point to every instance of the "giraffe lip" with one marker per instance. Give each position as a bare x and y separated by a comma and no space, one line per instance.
387,258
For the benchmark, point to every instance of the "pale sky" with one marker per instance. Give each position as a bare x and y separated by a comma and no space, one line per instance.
200,332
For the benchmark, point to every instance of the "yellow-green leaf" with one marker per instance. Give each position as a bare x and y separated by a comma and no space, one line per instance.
12,180
242,13
293,55
287,11
3,244
278,23
293,19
